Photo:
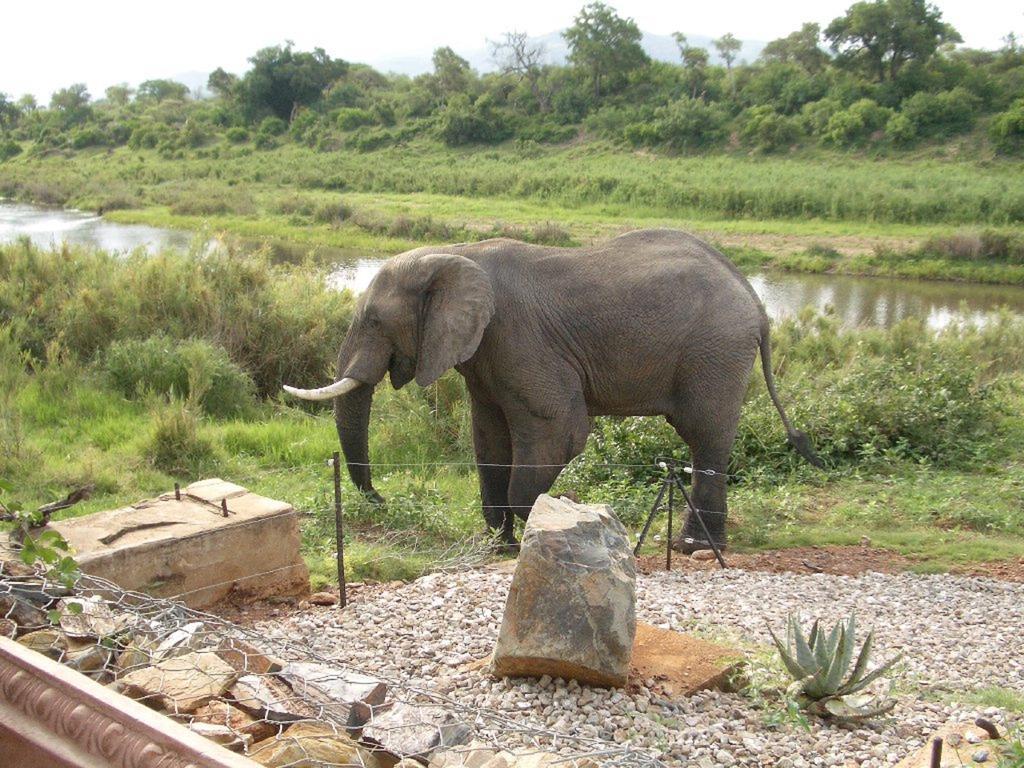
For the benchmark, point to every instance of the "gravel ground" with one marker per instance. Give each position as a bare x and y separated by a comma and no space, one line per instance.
955,634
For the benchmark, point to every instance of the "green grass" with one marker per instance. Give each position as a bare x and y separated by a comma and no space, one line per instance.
765,211
921,432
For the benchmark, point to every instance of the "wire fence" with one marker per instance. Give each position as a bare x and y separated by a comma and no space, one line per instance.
270,697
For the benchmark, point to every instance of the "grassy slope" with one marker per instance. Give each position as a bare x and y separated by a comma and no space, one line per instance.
765,211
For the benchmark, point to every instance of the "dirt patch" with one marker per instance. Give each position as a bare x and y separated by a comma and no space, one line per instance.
837,560
680,664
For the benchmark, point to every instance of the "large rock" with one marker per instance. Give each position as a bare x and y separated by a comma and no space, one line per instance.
571,609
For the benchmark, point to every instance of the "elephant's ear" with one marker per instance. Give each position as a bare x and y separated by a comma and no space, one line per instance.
458,304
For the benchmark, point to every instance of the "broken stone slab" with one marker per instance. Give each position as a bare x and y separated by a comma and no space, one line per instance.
88,617
50,642
479,755
88,656
307,744
180,641
187,549
247,659
181,683
682,664
960,742
266,697
221,734
8,629
27,616
571,608
348,696
139,652
224,715
412,730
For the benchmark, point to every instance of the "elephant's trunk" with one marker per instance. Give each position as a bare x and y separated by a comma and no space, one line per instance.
352,416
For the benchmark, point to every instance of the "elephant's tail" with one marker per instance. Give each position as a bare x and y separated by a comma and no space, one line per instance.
797,439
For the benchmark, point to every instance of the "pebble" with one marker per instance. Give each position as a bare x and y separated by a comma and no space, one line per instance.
420,636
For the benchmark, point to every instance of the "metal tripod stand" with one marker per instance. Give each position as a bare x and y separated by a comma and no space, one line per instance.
669,486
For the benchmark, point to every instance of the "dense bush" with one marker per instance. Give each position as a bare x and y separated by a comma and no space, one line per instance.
767,130
856,123
349,118
8,149
465,122
1008,128
193,369
236,134
683,125
277,323
941,114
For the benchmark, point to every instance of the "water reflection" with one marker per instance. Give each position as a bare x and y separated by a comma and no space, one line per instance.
52,226
867,301
856,301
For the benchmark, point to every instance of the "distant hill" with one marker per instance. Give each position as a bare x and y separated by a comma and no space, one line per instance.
658,47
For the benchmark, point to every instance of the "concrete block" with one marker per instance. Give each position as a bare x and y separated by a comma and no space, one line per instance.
189,550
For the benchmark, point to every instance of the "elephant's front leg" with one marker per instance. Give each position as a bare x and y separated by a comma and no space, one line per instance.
493,447
542,448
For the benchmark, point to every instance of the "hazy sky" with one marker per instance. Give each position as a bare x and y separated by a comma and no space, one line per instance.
47,45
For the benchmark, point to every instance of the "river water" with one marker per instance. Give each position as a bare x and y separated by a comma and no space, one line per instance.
856,301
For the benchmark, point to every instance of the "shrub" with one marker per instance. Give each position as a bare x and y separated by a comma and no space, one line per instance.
462,122
272,126
1007,128
194,369
350,118
8,149
856,123
683,124
175,445
900,129
88,136
278,323
236,134
941,114
767,130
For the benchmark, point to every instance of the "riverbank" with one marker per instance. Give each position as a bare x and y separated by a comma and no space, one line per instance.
822,214
167,368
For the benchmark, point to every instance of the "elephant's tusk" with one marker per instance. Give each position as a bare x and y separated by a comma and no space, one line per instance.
338,388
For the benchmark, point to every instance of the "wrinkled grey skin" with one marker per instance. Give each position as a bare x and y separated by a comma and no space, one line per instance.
652,323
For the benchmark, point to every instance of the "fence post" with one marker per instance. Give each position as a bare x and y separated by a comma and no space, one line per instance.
668,534
339,532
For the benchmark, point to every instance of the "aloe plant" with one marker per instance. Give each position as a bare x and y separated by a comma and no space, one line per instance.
820,666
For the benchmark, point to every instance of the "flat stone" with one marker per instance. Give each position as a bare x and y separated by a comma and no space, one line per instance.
50,642
187,549
247,659
140,652
81,617
571,609
265,697
959,744
182,683
349,696
405,730
222,714
322,598
681,664
703,554
221,734
306,745
8,628
476,754
27,616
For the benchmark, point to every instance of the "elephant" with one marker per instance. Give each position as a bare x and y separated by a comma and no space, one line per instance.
651,323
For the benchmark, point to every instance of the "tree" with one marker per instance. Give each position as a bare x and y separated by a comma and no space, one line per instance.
282,80
9,112
801,47
517,56
880,37
452,73
119,94
71,104
695,62
162,90
221,83
605,45
728,46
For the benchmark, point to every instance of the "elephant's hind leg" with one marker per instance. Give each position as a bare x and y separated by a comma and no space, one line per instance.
493,447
